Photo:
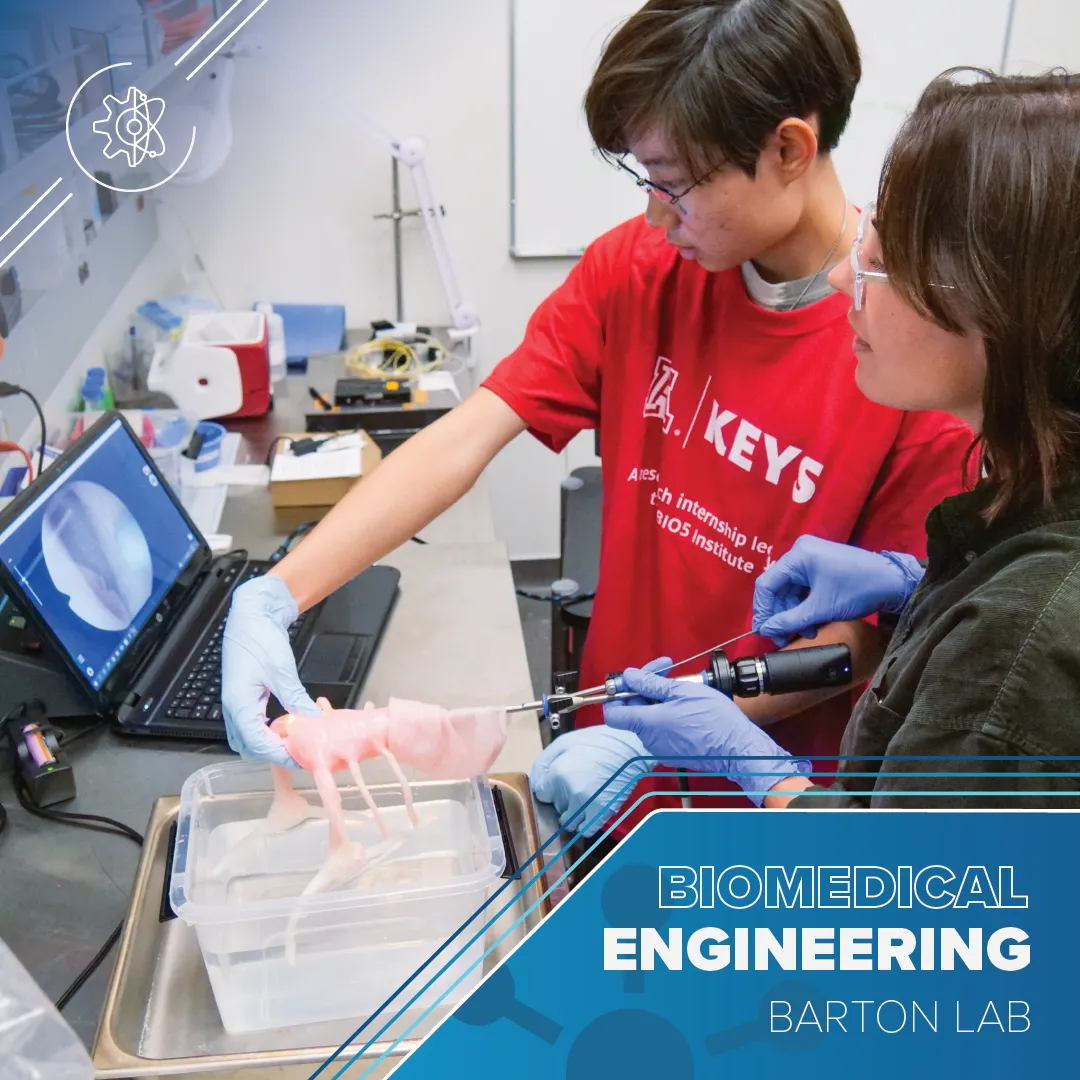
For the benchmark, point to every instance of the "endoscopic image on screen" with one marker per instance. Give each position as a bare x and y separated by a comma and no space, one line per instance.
97,555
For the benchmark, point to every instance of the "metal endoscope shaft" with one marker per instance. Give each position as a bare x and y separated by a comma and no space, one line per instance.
678,678
814,668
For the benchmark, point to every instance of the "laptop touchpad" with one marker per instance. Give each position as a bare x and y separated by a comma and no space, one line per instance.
332,658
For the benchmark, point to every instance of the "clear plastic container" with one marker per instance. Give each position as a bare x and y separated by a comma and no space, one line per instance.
171,434
277,959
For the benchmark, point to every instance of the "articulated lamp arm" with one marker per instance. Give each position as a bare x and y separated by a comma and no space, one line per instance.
411,153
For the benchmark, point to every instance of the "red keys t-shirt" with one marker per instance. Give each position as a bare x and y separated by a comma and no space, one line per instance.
726,432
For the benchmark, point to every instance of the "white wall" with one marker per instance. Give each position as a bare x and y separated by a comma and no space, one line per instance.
289,217
1045,33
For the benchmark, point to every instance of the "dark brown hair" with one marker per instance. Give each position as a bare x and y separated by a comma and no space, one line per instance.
719,76
981,192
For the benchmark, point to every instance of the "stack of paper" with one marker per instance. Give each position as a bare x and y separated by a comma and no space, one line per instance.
340,458
322,477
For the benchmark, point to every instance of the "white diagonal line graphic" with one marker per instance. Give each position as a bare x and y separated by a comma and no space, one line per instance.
30,211
697,413
227,40
208,33
8,259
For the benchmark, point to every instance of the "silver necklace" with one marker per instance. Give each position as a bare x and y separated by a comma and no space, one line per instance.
828,259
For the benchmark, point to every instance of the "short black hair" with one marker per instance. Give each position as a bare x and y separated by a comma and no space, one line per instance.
719,76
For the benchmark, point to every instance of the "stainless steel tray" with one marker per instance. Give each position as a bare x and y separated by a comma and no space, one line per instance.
160,1018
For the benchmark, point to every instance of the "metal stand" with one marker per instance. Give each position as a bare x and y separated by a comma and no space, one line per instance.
397,215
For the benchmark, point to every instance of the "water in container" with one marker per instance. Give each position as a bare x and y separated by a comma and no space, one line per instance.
276,959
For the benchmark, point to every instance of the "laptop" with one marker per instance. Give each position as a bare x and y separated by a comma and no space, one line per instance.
114,575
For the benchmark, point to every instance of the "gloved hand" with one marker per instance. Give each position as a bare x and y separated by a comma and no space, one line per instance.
579,764
819,582
256,661
691,719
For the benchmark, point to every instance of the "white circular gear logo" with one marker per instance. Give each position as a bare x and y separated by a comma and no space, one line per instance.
133,123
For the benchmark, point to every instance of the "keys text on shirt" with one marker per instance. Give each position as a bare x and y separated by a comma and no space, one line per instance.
745,446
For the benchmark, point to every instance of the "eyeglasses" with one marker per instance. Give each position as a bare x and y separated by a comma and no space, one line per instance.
863,276
658,189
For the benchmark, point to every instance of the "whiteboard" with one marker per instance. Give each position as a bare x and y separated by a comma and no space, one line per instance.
564,195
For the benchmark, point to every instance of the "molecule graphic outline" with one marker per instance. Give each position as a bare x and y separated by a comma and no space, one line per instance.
133,121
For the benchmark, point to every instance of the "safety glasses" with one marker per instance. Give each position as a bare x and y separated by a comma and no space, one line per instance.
861,275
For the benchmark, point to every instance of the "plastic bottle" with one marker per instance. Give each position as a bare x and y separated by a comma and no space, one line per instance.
93,395
97,380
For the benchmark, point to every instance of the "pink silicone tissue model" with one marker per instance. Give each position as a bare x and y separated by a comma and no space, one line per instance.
444,744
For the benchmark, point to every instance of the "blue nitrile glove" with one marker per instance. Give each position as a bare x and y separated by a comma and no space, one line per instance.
577,765
819,582
691,719
256,661
660,666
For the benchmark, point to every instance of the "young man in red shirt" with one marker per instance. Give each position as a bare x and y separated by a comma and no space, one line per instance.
705,343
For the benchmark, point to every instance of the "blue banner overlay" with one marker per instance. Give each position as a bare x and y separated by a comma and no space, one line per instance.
709,940
383,1034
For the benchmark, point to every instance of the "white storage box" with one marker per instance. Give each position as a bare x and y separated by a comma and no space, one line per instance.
276,959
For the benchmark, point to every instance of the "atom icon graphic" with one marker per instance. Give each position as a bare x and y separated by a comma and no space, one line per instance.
133,121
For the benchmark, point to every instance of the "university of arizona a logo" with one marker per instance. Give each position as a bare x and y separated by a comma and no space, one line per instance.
658,401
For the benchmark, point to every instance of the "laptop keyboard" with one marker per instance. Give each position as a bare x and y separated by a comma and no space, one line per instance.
199,695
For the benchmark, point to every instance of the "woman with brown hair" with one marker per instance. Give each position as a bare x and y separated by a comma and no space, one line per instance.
965,281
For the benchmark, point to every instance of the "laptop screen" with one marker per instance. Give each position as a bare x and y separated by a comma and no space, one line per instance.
98,550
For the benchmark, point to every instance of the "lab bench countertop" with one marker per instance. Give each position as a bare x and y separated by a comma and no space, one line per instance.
454,638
